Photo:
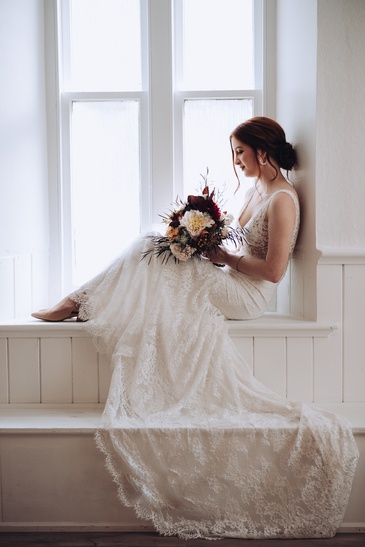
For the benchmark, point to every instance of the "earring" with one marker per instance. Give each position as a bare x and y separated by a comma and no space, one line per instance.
263,162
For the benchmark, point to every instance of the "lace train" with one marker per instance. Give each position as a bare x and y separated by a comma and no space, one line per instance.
193,440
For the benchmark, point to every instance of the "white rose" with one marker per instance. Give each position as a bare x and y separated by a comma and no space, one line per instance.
195,222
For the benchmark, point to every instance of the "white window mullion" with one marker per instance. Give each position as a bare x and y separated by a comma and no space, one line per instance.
145,126
53,55
161,105
258,17
65,194
268,44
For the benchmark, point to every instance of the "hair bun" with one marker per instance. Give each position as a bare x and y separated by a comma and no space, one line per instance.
287,156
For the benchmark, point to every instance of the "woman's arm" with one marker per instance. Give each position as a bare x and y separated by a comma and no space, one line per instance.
281,219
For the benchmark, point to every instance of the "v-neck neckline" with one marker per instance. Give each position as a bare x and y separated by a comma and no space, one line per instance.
257,212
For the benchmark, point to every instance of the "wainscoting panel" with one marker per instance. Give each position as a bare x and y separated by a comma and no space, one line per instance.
56,370
299,380
328,362
245,347
23,284
270,363
58,478
58,364
24,371
105,374
7,308
4,374
85,371
328,369
354,332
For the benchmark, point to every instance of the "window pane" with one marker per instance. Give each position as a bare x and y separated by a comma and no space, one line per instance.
105,183
105,45
207,127
217,44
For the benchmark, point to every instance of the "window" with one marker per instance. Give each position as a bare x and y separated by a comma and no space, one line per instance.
148,94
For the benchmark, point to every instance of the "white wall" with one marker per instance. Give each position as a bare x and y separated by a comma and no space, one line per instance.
320,83
296,111
296,98
340,184
23,154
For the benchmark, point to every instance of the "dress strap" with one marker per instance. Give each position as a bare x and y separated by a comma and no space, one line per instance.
293,196
297,213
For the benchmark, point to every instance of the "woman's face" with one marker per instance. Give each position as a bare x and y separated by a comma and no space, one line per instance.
245,158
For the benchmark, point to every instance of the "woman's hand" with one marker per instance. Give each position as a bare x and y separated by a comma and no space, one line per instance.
218,256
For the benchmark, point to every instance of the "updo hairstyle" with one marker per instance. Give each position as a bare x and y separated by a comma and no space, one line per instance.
265,134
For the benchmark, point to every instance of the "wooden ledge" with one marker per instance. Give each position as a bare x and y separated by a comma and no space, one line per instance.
84,419
269,325
274,325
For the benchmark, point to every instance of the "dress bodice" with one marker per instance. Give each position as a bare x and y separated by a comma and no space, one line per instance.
256,230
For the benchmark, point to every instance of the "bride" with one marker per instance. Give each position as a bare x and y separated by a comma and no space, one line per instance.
194,442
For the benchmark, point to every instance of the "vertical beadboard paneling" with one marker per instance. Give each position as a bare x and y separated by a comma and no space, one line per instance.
245,348
105,374
24,384
6,288
300,369
270,363
56,370
354,333
85,371
4,387
328,351
40,281
23,285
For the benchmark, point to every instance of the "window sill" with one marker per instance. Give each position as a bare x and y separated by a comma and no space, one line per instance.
270,325
274,325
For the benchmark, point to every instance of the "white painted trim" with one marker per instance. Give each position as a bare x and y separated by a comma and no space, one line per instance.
85,418
269,58
341,256
273,325
52,60
270,325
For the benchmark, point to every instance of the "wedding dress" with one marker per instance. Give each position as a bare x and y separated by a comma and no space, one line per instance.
194,442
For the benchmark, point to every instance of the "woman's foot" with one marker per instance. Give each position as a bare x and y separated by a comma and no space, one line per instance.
66,309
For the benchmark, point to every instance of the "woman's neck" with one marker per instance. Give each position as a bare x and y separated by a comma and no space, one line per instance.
266,184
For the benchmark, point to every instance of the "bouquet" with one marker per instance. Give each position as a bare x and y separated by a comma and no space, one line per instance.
194,227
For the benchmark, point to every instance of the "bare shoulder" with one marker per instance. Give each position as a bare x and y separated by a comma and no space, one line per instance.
284,203
285,197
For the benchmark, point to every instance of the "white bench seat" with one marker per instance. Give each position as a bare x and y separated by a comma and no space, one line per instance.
54,477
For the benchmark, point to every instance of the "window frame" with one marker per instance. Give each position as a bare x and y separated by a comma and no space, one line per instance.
180,96
66,100
161,108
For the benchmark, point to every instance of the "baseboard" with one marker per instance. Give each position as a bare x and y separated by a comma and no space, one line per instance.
346,528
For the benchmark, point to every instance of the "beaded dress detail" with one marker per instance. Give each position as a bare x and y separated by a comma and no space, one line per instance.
194,442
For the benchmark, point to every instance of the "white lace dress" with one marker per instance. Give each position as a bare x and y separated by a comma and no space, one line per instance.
194,442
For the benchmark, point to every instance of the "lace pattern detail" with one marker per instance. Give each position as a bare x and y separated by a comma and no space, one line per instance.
194,442
257,228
